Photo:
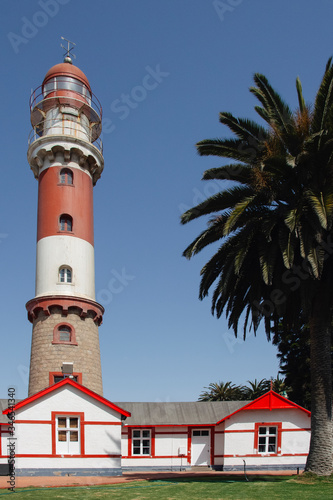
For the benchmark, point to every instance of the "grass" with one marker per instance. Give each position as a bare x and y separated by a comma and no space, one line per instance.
216,488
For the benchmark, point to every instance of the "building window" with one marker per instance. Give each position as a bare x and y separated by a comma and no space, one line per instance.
65,275
55,377
267,439
66,223
66,176
200,433
68,435
64,334
141,442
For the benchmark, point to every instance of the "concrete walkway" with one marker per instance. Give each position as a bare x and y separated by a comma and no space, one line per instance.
127,477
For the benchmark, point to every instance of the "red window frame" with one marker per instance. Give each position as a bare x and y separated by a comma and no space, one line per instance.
60,374
56,335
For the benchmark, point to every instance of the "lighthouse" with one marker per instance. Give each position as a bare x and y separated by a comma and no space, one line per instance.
65,155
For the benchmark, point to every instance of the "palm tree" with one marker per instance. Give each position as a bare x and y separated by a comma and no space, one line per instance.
280,387
221,392
294,360
256,388
275,260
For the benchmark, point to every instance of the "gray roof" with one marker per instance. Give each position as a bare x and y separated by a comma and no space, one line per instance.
189,413
4,406
198,413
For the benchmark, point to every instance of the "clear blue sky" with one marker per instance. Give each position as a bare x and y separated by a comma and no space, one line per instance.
158,341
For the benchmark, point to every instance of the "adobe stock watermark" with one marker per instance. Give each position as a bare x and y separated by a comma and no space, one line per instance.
199,197
3,236
30,27
11,441
117,284
222,7
231,340
126,103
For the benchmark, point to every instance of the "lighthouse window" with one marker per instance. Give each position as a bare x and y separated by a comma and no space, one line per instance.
65,275
63,333
66,83
66,222
66,176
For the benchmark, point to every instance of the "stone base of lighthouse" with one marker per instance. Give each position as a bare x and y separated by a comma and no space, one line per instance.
64,333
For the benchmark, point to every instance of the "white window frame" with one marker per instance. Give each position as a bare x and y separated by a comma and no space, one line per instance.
141,442
65,274
268,439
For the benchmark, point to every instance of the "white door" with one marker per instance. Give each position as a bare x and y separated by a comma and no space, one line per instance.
68,435
200,451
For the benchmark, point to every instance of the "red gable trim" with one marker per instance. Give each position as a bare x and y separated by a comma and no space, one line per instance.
268,401
80,387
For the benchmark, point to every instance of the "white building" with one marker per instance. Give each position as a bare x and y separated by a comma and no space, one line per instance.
68,429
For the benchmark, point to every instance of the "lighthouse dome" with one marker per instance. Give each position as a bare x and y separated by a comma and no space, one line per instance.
67,69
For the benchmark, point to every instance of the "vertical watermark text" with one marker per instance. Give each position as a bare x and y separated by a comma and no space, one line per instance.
11,440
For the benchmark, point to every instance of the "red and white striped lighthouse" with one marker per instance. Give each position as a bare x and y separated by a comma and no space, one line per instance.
65,155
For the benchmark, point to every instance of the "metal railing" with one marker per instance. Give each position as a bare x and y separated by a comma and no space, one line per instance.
44,95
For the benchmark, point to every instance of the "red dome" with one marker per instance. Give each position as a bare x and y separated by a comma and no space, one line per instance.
67,69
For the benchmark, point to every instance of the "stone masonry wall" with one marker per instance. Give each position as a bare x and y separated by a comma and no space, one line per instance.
47,357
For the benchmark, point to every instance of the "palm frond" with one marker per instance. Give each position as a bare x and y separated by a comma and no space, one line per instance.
301,102
210,235
279,113
236,149
324,100
237,211
217,203
263,114
237,172
247,130
287,241
318,204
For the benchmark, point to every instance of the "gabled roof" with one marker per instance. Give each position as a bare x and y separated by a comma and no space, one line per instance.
68,381
188,413
269,401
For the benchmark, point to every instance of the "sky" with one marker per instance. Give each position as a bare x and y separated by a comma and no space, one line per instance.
159,342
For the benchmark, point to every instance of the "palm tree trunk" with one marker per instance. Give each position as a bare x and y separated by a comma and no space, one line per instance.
320,459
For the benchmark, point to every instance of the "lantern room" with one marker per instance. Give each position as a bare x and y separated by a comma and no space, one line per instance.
64,104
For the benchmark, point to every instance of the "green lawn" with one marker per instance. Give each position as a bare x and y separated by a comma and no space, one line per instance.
224,488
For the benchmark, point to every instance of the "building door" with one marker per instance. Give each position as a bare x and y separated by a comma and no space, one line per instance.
200,451
68,435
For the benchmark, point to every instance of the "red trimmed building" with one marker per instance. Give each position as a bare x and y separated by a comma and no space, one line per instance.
69,429
268,433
